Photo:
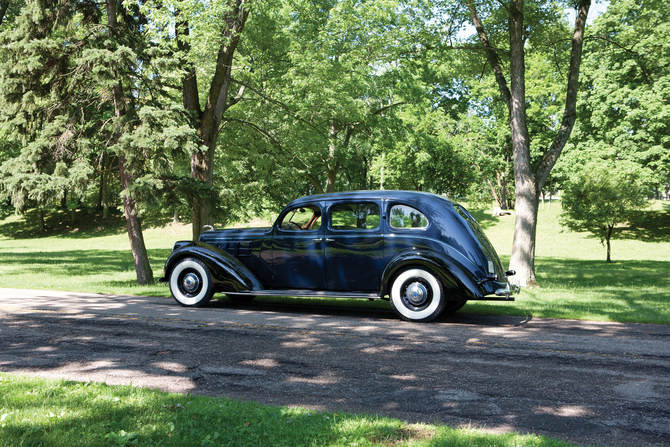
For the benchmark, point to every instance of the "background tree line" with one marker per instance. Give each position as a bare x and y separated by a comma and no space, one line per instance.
207,110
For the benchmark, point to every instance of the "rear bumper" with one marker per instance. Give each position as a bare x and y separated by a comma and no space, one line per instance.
508,290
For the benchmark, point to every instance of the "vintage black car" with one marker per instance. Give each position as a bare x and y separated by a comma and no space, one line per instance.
422,252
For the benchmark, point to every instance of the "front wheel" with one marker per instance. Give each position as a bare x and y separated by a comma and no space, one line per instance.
416,295
191,283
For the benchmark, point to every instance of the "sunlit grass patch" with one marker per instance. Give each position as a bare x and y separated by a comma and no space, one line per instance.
36,411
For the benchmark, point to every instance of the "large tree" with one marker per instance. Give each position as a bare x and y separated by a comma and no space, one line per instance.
80,85
602,194
529,178
205,37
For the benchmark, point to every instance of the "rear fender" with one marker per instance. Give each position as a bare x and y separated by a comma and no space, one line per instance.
452,275
228,273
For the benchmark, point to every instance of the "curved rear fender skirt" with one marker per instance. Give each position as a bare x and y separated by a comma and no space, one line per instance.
451,274
228,273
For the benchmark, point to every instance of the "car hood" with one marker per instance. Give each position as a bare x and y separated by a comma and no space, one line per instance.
235,234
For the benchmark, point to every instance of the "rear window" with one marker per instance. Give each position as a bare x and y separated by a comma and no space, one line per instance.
403,216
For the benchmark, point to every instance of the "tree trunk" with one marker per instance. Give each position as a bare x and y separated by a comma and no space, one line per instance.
332,166
494,191
100,186
502,187
104,179
381,174
202,169
105,201
609,248
40,219
527,191
4,4
314,182
139,250
140,257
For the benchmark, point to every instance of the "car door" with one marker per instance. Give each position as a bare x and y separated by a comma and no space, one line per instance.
298,250
354,244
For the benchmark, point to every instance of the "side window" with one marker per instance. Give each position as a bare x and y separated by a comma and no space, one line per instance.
303,218
403,216
355,216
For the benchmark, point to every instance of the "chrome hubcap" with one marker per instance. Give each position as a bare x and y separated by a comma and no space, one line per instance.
416,294
190,283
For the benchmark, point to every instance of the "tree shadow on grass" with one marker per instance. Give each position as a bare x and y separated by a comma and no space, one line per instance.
647,226
630,291
88,224
79,262
556,273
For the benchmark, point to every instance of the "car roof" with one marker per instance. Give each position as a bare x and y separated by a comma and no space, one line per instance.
408,196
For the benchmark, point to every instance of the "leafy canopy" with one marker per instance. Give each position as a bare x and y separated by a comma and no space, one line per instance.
603,194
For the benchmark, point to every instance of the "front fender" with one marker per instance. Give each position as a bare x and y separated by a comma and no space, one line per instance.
452,275
228,273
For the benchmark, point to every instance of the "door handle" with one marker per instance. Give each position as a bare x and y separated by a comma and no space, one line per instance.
330,240
317,240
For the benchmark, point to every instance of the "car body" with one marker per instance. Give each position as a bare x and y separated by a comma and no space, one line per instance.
424,253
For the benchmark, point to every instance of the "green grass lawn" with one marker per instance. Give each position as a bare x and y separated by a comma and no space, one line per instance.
56,413
575,280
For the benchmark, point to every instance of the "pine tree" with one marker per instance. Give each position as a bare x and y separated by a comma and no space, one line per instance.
80,83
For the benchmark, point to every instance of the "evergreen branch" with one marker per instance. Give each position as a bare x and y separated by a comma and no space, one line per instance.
4,4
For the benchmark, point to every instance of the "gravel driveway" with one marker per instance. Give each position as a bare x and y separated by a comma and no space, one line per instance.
585,382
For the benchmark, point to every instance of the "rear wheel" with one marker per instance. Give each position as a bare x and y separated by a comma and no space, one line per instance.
191,283
416,295
451,307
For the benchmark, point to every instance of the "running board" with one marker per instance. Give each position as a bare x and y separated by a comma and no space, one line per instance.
309,293
335,294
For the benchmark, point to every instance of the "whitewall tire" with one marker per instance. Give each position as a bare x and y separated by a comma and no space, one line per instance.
191,283
416,295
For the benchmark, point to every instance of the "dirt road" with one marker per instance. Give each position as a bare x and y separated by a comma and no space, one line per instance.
586,382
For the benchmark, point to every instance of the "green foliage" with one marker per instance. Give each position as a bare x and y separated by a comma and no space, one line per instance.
327,90
431,152
624,105
602,195
60,128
